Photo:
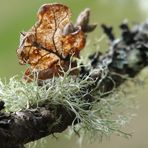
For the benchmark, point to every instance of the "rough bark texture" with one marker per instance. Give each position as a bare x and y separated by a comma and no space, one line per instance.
126,56
22,127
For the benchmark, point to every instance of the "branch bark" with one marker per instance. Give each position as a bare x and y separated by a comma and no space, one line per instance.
127,55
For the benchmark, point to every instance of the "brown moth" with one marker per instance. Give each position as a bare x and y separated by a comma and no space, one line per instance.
47,46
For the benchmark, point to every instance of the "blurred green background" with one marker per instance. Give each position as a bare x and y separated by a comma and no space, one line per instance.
17,15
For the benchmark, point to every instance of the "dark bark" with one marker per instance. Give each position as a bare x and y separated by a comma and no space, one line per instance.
24,126
127,56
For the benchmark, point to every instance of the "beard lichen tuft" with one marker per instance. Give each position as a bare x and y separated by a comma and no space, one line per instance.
95,119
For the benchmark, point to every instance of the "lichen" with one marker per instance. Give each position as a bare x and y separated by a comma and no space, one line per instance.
96,118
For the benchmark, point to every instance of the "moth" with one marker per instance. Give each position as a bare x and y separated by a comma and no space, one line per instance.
51,42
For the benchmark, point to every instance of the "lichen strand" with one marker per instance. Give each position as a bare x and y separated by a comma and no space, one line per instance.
93,113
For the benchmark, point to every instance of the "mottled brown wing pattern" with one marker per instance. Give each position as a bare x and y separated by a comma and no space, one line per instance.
44,46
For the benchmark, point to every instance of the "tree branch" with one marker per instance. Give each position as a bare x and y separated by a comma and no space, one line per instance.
127,55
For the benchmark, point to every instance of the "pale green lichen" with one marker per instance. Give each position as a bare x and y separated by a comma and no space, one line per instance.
98,121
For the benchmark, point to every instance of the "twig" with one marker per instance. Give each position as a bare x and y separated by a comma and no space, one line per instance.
125,57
